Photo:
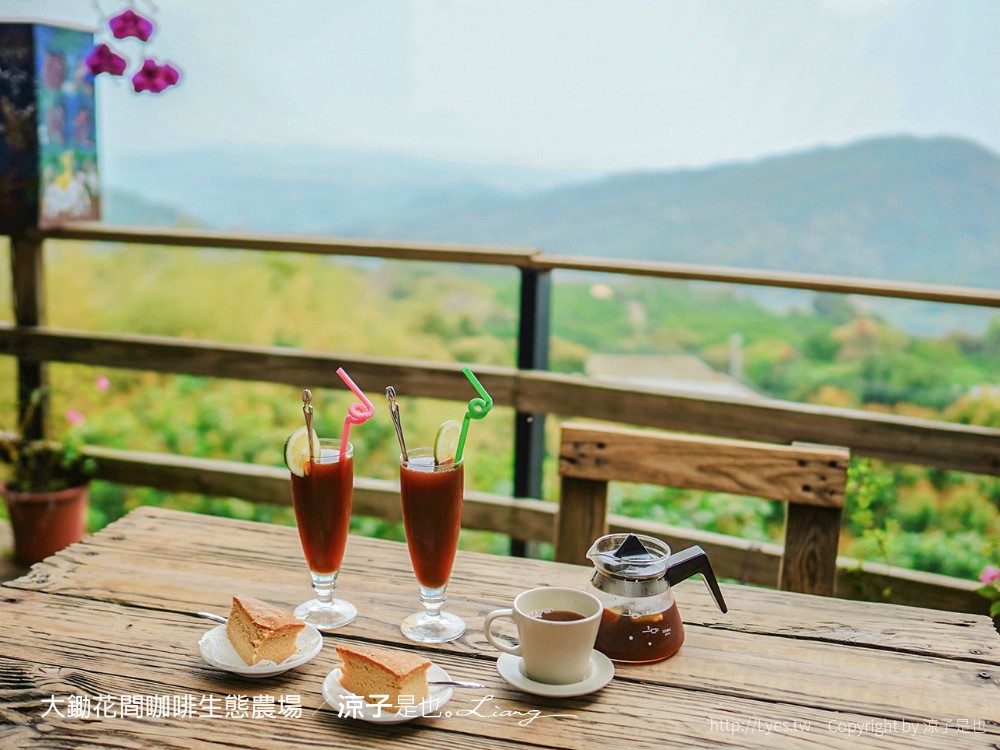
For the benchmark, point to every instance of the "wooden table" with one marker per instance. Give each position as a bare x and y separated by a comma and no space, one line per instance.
111,619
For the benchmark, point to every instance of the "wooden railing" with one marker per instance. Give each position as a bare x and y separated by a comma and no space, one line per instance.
528,388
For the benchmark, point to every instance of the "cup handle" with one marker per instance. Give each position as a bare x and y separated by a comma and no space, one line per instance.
515,650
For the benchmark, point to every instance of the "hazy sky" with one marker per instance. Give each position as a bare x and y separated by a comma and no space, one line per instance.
609,84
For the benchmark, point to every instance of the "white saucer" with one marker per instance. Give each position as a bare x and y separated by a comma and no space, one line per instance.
216,649
350,707
511,668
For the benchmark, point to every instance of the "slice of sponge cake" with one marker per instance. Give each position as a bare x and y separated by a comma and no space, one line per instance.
375,672
259,630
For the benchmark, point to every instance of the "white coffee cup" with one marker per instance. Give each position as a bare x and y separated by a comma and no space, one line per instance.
556,652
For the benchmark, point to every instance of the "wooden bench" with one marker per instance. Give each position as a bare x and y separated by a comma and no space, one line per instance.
811,479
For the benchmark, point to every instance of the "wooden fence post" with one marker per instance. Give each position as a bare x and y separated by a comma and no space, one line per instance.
28,293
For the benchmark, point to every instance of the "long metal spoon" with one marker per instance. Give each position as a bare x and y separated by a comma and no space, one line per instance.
307,410
456,683
390,393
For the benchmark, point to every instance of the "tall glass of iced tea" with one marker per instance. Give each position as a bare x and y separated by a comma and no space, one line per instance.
432,495
322,497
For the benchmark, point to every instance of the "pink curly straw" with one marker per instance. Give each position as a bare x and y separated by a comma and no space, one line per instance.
356,413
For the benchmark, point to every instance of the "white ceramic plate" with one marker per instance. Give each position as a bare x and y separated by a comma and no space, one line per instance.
511,668
349,707
219,652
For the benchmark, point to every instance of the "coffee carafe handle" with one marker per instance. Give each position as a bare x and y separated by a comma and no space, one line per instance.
686,563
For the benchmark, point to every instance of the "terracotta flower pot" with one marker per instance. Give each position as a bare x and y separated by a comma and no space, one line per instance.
45,522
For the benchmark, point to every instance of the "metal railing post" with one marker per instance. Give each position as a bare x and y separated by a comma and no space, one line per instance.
532,354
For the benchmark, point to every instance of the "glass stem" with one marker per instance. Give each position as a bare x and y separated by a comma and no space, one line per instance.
433,600
324,584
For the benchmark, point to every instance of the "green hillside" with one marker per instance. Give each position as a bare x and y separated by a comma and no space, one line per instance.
922,209
898,208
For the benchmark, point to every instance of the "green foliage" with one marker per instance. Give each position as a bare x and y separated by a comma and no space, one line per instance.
824,351
895,377
746,517
943,524
871,493
821,347
959,554
871,500
835,308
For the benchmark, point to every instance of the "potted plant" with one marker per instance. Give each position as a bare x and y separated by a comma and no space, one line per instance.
990,578
46,489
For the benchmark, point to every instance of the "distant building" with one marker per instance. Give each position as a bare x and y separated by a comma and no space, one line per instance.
683,373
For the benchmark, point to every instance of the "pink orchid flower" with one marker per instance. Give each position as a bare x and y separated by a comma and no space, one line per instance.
103,59
169,74
148,77
75,417
990,574
129,24
155,78
102,383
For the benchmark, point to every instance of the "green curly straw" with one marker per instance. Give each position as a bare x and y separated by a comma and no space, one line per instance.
478,408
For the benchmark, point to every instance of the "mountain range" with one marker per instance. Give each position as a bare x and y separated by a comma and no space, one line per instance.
300,190
905,208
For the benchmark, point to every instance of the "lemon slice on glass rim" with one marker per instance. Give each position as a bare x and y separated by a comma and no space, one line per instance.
446,442
297,451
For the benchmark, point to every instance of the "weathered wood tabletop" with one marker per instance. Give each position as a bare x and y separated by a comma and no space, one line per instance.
95,636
